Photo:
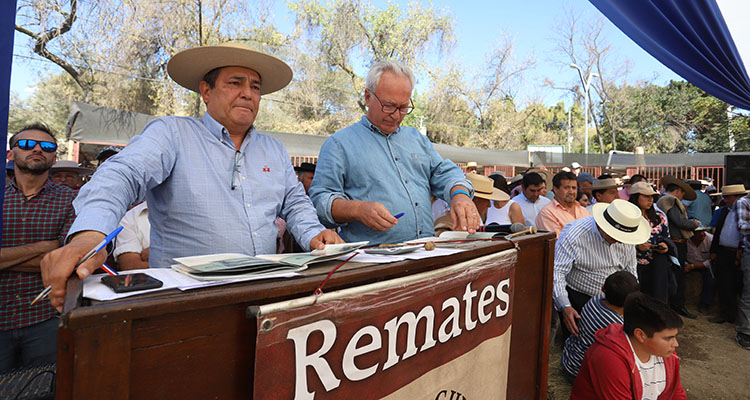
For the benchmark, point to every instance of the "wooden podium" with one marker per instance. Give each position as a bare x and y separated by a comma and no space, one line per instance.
199,344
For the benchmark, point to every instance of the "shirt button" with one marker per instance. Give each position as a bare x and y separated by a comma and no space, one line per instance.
419,232
406,182
416,204
396,158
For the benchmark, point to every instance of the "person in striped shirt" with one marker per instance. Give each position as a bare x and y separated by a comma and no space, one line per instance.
635,360
598,313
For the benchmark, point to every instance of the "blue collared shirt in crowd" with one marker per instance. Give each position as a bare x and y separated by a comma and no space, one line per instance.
187,169
399,170
584,260
700,208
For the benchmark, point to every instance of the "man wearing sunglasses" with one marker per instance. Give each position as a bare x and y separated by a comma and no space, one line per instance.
375,169
37,214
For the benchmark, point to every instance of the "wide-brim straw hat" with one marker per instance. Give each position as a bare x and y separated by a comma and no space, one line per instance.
188,67
623,221
70,165
689,192
483,188
643,188
732,190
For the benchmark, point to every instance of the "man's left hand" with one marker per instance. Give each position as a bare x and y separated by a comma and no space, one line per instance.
327,236
464,214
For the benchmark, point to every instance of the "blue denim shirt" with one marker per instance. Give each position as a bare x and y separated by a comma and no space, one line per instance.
185,167
399,170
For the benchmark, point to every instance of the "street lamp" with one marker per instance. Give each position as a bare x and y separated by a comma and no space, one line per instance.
586,86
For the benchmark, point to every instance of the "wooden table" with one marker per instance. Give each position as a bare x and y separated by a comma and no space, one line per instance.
200,344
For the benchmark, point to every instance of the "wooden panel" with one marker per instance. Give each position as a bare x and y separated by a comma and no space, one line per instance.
104,364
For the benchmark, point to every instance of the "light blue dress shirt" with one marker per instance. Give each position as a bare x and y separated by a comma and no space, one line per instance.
186,168
399,170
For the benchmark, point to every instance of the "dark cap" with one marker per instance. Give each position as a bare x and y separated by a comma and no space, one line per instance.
305,167
107,152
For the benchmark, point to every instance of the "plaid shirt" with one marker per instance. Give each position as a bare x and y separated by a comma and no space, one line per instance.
46,216
742,206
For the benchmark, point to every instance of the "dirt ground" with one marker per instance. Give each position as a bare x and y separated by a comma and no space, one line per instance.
712,365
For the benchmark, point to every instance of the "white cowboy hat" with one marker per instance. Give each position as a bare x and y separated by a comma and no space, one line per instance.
642,188
732,190
483,187
622,220
188,67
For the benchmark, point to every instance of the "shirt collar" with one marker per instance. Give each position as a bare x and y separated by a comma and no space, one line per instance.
372,128
220,132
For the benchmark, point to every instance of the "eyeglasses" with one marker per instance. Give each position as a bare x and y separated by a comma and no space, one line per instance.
29,144
390,109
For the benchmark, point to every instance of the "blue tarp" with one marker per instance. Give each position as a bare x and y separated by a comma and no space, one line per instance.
689,37
7,26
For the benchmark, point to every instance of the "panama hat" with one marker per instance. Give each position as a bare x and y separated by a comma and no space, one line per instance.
732,190
483,188
622,220
188,67
642,188
689,192
70,165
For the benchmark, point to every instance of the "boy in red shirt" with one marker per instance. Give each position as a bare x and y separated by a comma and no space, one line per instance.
635,360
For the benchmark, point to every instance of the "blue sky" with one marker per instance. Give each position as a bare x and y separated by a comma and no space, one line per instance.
478,24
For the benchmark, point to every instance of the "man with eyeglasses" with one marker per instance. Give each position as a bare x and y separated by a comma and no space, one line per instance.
213,184
37,214
374,179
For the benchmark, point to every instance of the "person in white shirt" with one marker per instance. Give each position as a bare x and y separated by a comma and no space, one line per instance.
530,198
133,243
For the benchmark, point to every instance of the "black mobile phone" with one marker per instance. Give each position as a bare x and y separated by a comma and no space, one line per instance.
131,282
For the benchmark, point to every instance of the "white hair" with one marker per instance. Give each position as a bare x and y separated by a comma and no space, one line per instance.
393,66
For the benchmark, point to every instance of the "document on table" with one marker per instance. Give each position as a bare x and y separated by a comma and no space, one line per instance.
419,254
95,290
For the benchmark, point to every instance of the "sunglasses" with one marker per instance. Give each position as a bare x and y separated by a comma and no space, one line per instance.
28,144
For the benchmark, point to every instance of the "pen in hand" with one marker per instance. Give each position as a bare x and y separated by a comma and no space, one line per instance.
44,293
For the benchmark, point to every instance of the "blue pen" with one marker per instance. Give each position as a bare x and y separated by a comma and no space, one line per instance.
44,293
399,215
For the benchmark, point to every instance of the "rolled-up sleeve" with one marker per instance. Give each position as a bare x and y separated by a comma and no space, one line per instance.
328,183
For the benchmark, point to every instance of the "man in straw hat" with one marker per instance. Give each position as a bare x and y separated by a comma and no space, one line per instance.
604,191
484,191
375,169
742,205
725,245
592,248
213,184
680,230
69,173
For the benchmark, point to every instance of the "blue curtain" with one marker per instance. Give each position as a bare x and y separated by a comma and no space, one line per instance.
7,26
690,37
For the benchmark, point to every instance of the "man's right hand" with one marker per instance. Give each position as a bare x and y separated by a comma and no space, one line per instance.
375,216
569,316
58,264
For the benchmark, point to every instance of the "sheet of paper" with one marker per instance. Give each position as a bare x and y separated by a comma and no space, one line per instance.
363,257
198,260
438,252
95,290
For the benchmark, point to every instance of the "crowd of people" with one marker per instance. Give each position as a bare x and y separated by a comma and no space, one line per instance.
188,186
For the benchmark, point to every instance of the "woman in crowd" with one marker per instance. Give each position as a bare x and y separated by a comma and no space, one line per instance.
503,212
654,266
583,199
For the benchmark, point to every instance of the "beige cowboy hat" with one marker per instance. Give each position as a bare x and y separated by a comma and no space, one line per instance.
642,188
471,164
71,166
604,184
622,220
732,190
188,67
483,187
689,192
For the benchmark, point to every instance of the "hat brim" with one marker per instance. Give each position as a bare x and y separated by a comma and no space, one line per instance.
496,195
689,192
641,235
739,193
188,67
78,170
